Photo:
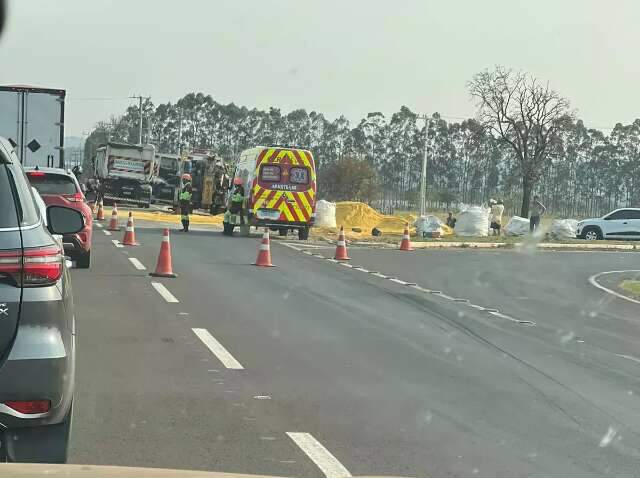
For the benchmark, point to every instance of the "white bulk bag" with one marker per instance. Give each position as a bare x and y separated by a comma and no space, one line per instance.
564,228
517,226
473,221
427,225
325,214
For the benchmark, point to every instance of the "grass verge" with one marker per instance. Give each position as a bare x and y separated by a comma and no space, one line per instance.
631,286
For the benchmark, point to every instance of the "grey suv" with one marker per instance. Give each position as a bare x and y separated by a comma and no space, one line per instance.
37,348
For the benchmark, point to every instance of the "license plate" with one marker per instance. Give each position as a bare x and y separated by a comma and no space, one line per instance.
271,214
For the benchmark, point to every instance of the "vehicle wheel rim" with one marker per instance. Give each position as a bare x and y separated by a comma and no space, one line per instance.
591,236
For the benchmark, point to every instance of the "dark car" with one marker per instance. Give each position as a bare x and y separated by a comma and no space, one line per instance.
37,324
59,187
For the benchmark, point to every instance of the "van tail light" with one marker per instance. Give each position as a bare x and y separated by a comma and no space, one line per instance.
37,267
29,407
36,174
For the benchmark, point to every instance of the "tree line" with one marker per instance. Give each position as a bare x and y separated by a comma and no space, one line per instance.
525,140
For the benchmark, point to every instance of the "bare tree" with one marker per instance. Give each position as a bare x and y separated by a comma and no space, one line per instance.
521,112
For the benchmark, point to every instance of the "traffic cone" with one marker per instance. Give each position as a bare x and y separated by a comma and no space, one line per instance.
341,248
163,267
405,245
130,233
264,251
113,223
100,215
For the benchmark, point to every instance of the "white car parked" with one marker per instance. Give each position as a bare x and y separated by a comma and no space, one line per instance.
619,224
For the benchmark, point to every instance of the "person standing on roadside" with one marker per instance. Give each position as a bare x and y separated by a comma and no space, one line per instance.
497,209
185,202
537,210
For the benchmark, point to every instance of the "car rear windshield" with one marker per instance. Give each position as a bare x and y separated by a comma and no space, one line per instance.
8,216
299,175
52,183
270,173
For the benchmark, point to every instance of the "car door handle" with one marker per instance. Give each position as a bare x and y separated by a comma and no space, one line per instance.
624,222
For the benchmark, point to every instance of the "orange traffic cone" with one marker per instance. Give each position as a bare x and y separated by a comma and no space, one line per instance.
341,248
264,252
163,267
113,223
405,245
130,233
100,215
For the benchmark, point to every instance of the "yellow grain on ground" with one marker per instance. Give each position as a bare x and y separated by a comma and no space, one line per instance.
631,286
161,216
357,215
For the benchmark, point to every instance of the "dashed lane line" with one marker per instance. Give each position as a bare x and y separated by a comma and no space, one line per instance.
217,349
106,233
116,243
137,264
164,292
328,464
437,293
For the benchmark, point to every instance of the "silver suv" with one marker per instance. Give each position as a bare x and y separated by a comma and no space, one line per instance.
37,325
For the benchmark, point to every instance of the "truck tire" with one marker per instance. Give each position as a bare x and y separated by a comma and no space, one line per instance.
282,231
303,233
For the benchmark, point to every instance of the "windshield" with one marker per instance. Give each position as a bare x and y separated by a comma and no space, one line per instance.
324,238
55,184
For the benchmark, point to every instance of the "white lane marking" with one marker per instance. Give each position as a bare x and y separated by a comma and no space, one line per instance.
137,264
116,243
319,256
398,281
106,233
629,357
164,292
218,350
593,281
99,225
290,246
328,464
377,274
309,253
346,265
332,260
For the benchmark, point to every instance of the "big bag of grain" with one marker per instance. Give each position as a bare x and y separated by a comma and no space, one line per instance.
517,226
473,221
325,214
564,228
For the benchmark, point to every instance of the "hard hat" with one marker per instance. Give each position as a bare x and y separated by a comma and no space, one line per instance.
237,181
186,177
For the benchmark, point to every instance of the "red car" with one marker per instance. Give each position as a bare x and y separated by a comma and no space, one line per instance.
61,188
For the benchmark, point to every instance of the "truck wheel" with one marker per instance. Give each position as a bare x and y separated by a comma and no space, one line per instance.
227,229
303,233
44,444
282,231
83,261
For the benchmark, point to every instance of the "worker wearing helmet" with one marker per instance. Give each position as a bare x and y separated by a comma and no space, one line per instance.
185,202
234,215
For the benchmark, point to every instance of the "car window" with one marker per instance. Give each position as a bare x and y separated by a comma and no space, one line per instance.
299,175
52,183
8,217
623,214
27,209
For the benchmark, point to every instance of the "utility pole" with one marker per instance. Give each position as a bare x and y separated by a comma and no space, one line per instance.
140,98
423,177
180,132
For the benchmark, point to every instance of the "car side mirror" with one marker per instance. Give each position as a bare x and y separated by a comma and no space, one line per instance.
64,220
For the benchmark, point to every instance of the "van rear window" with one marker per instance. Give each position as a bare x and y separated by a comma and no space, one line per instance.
299,175
270,173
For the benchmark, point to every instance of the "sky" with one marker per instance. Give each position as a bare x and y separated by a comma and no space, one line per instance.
336,57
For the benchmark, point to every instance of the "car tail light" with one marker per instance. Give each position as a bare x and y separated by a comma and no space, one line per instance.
29,407
36,267
77,197
36,174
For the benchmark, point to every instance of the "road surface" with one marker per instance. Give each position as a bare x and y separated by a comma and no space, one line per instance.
317,369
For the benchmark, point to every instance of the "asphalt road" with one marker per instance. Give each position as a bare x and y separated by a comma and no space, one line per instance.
317,369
